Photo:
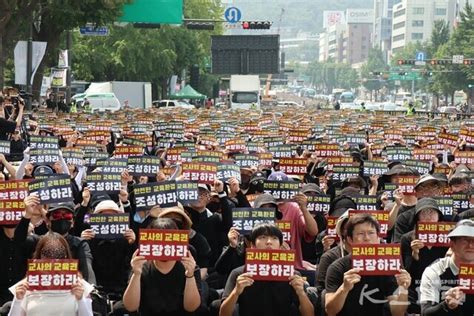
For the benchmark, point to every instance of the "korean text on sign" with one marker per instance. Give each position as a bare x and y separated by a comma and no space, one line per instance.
466,278
434,234
201,172
12,194
245,219
53,189
52,274
285,227
383,259
281,190
108,226
158,193
270,265
163,244
331,227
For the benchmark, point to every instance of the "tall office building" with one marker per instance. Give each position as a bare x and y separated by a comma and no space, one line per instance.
413,20
382,32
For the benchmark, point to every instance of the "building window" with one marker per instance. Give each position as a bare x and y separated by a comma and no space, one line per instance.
399,13
440,11
399,25
417,23
416,36
398,37
364,38
418,10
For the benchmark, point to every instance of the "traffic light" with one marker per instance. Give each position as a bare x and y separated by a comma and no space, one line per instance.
406,62
441,62
403,73
208,26
256,25
468,62
195,76
377,73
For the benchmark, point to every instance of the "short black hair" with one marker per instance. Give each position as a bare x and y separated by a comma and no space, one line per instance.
358,219
266,229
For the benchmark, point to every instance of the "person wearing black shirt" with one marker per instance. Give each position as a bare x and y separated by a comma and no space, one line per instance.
415,256
427,186
6,126
348,293
265,297
440,291
165,288
211,225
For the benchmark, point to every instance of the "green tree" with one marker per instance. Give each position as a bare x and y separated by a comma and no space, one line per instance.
439,35
375,64
59,16
13,14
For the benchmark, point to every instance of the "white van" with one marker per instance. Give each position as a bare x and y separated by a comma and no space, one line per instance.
99,101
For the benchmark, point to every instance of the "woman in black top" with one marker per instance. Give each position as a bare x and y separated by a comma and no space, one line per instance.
164,288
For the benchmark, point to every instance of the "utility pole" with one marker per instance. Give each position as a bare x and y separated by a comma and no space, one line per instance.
29,63
69,70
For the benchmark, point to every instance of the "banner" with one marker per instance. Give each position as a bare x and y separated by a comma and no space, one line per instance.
5,147
270,265
52,274
187,191
466,278
382,259
104,182
331,227
281,190
293,166
112,165
406,184
225,171
44,156
108,226
143,166
244,219
246,161
319,203
12,194
285,227
127,151
58,78
374,168
163,244
201,172
434,234
54,189
366,202
152,194
21,58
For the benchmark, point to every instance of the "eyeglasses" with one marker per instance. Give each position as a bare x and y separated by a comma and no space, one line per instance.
61,215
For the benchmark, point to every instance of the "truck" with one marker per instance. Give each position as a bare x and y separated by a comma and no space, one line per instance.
245,92
136,94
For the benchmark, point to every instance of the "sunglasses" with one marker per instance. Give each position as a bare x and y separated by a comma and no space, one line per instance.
61,215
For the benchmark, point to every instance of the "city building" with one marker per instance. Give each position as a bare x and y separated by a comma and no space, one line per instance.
350,39
382,32
413,20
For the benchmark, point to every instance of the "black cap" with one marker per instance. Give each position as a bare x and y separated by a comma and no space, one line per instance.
97,198
426,203
67,206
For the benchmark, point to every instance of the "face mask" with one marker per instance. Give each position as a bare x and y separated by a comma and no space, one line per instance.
138,219
61,226
214,206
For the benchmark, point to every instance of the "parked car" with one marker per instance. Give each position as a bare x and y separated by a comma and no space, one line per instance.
288,104
172,103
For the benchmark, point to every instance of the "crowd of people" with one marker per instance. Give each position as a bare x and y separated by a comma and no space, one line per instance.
415,170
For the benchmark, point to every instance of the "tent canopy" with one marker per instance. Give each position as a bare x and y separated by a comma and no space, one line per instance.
188,93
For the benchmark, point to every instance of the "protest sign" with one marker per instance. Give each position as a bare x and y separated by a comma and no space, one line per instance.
245,219
380,259
281,190
270,265
434,234
163,244
225,171
466,278
12,194
108,226
52,274
104,182
285,227
54,189
143,166
319,203
151,194
293,166
201,172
